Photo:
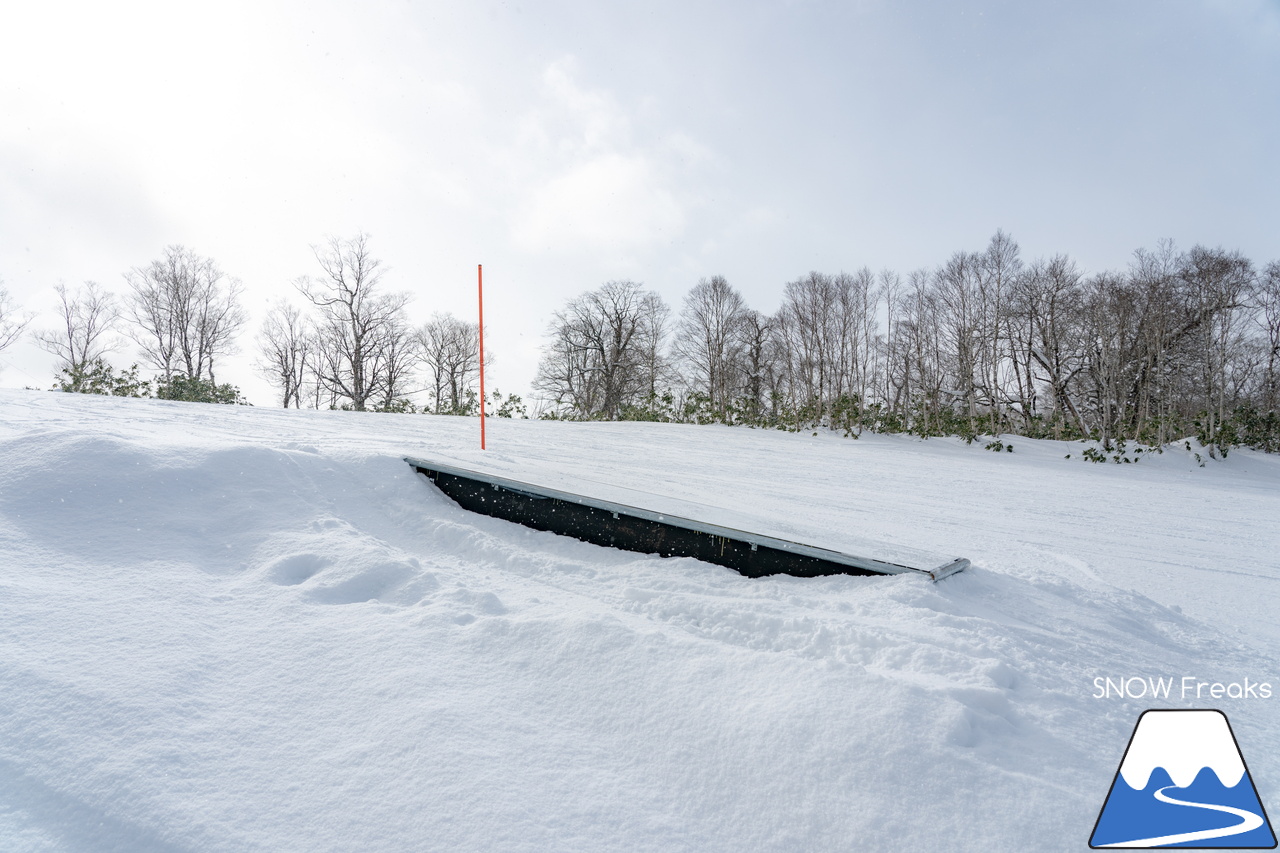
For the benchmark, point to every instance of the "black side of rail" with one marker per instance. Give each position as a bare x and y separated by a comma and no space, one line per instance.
617,529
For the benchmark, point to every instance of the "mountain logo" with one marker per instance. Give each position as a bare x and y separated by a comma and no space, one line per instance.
1183,783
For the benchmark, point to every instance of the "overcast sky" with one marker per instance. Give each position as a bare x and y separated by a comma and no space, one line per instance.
564,144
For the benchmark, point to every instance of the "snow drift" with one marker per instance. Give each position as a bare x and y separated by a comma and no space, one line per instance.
240,629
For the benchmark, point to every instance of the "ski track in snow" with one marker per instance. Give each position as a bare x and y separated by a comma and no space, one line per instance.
245,629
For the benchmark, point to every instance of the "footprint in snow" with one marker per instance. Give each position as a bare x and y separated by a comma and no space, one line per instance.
296,568
396,582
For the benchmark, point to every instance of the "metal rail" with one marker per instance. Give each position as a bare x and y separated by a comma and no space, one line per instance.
633,528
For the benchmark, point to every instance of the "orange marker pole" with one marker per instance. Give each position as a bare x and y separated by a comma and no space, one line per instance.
480,292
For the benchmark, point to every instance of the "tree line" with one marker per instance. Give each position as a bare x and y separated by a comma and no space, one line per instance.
1179,343
345,342
351,345
181,311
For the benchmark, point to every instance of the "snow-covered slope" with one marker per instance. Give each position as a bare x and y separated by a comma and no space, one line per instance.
230,629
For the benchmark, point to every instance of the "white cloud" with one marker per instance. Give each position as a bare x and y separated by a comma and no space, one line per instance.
612,201
600,187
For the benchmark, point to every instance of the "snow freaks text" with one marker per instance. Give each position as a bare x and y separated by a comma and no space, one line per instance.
1187,687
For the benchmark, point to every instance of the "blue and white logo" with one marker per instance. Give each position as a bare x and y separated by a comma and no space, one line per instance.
1183,783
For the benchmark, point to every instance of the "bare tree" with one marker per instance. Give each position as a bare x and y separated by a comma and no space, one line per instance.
605,348
1047,306
1269,322
1114,311
285,345
827,331
397,363
1175,343
450,350
656,368
1220,284
998,271
1155,352
956,284
917,361
11,325
359,326
859,337
757,346
85,333
708,339
889,294
1139,333
186,313
808,326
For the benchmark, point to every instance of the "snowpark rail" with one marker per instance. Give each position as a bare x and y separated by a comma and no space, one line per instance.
630,528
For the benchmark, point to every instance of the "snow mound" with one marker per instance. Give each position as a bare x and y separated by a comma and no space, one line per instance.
233,629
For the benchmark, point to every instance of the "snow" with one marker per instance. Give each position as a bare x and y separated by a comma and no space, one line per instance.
241,629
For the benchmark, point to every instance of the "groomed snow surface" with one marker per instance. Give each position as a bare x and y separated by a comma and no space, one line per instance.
241,629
